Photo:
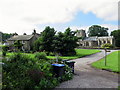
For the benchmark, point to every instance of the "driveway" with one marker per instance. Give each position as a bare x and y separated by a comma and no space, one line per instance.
88,77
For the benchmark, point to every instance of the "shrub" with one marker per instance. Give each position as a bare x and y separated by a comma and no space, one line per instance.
68,73
107,45
5,48
36,75
3,53
51,54
41,55
15,72
21,72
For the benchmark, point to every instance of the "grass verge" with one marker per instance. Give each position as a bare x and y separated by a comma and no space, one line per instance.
112,62
80,53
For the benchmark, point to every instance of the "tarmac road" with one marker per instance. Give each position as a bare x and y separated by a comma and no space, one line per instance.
88,77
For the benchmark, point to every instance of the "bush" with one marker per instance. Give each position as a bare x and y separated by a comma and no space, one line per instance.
68,73
107,45
51,54
69,52
3,53
21,72
5,48
15,72
41,55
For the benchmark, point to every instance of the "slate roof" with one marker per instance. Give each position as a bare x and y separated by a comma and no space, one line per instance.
20,37
96,38
90,39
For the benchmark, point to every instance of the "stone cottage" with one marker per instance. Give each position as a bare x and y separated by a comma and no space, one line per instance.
26,40
93,41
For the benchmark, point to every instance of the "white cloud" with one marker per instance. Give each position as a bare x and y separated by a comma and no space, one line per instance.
23,15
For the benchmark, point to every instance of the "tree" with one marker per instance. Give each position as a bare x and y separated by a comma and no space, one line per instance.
4,36
96,30
65,43
116,35
45,41
18,45
62,43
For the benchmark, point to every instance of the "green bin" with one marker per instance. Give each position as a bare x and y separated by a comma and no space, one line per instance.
70,64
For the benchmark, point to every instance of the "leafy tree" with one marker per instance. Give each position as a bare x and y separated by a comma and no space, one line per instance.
4,50
96,30
65,43
62,43
36,45
18,44
116,34
4,36
44,43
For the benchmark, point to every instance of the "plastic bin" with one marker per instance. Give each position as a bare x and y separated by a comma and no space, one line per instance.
70,64
58,69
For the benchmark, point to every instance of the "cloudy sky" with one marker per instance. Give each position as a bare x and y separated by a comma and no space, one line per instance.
24,15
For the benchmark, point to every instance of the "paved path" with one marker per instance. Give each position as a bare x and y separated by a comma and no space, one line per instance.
88,77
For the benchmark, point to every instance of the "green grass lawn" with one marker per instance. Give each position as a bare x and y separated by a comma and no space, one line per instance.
80,53
112,62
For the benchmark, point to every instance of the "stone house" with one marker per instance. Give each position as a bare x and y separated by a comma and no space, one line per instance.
93,41
26,40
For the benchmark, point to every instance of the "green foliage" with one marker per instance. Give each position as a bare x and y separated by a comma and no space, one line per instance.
4,53
37,44
96,30
51,54
44,43
116,34
65,43
23,72
4,50
107,45
48,83
62,43
41,55
68,73
18,44
5,36
15,70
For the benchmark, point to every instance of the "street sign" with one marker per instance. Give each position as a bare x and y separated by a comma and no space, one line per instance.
106,56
